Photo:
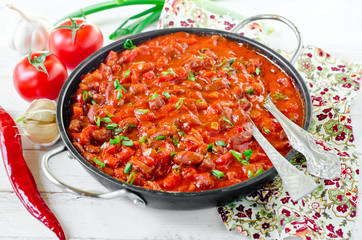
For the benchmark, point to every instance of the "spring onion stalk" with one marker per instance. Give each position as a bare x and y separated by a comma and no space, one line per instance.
108,5
140,20
137,26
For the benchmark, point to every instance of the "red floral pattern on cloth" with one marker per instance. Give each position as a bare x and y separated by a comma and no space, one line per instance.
269,212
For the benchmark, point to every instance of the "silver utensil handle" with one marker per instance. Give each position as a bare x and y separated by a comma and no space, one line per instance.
277,18
297,184
137,200
320,163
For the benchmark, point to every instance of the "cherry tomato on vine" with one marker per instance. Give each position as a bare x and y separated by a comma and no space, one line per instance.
39,75
74,40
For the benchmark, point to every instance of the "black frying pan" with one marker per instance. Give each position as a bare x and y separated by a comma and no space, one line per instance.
154,198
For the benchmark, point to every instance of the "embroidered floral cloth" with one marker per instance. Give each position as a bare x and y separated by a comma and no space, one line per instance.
269,212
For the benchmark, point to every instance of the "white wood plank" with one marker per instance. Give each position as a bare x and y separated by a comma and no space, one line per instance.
87,218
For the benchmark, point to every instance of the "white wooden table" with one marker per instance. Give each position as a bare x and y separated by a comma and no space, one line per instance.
333,25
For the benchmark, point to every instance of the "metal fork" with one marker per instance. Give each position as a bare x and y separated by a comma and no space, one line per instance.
320,163
296,183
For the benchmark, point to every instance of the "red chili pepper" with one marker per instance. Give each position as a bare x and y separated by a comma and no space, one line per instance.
20,176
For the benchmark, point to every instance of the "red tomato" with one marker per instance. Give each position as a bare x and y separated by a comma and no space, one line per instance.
88,39
33,84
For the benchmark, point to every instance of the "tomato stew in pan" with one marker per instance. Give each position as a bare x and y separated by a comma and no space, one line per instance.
172,114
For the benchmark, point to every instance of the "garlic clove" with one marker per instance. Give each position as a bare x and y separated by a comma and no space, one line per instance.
39,122
41,104
43,134
41,116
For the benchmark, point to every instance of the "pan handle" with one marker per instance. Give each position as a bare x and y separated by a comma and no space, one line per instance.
137,200
277,18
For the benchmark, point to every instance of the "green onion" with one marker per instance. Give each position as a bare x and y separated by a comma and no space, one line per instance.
141,111
160,137
143,139
217,173
176,168
292,119
250,91
257,71
201,57
115,141
98,121
119,93
138,26
200,100
153,97
141,22
85,96
175,141
128,44
127,143
124,138
227,68
221,63
243,100
279,96
244,162
220,143
126,74
211,147
179,103
106,119
101,164
170,71
260,171
173,154
248,152
250,174
130,125
166,94
231,61
118,130
237,155
112,126
215,79
182,133
228,121
266,130
128,167
93,102
138,62
117,85
131,178
190,76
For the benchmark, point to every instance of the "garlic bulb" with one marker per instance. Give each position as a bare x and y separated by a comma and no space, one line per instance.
39,122
28,32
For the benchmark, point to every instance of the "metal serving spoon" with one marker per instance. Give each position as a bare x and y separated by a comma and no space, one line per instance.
297,184
320,163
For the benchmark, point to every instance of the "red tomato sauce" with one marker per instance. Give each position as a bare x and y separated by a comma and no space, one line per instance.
172,114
